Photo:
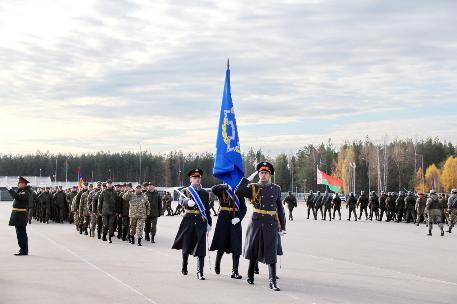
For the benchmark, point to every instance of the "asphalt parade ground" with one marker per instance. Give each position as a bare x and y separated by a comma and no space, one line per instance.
323,262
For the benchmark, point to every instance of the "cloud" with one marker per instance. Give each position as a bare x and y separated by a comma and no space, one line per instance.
95,76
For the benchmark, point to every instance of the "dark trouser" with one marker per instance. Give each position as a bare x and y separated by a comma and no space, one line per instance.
150,227
108,224
291,216
60,215
410,215
400,215
99,224
339,212
119,227
315,212
311,209
381,214
22,240
375,211
352,210
169,211
329,209
366,212
125,226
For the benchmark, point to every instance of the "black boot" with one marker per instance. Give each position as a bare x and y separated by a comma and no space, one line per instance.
429,232
130,239
104,237
133,240
256,267
236,263
152,240
442,231
272,270
450,229
200,265
80,229
185,258
109,239
251,267
217,266
99,235
146,238
139,242
85,231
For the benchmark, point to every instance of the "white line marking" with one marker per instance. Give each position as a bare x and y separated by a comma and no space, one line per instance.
95,267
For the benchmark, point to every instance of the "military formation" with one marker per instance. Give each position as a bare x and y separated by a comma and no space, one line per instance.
399,207
106,209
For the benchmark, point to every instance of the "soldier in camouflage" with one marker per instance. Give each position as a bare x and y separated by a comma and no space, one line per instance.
410,204
351,204
362,202
93,202
310,204
452,209
433,209
421,201
84,214
138,211
336,204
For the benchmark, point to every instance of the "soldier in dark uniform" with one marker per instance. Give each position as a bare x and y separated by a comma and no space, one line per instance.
124,212
155,211
107,208
32,205
192,233
318,201
374,205
228,232
291,202
268,221
45,199
310,204
70,197
351,204
167,203
18,217
382,205
60,199
362,202
327,202
336,204
400,201
410,203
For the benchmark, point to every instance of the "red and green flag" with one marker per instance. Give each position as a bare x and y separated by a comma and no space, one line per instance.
333,183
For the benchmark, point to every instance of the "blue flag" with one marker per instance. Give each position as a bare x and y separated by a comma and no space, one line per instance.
228,163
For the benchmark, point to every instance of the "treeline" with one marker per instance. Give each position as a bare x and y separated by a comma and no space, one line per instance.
363,165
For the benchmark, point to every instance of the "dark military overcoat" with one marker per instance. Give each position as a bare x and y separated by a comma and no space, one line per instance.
228,237
21,201
262,241
191,236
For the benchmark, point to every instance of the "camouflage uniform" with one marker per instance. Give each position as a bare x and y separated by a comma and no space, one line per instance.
92,201
421,201
452,208
410,203
363,203
84,214
139,209
433,209
351,204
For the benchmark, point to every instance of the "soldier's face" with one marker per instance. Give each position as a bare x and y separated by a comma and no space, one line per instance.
138,190
195,180
264,176
21,185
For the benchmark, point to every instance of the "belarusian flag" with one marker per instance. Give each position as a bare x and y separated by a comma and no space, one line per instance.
333,183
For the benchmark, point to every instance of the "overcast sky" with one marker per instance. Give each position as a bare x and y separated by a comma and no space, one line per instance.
84,76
